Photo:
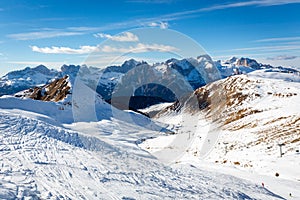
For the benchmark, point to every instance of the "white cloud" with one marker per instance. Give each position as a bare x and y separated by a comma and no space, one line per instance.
64,50
250,3
191,13
162,25
123,37
265,48
291,62
139,48
277,2
83,28
283,57
281,39
42,35
53,19
153,47
152,21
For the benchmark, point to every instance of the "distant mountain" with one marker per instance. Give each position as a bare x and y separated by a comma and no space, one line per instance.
234,66
166,81
23,79
246,62
110,76
17,81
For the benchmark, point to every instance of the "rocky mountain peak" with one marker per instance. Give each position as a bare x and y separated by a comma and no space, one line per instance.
55,91
247,62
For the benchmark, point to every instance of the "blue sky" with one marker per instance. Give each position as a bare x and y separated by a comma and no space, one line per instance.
60,32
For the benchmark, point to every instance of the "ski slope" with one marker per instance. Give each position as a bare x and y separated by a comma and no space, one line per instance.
46,158
45,154
246,145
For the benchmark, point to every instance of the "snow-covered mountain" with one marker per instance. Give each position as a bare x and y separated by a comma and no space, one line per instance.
246,62
217,141
185,74
238,121
16,81
46,155
136,85
234,66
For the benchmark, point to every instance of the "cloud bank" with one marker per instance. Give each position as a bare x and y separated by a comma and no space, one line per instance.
283,57
123,37
138,48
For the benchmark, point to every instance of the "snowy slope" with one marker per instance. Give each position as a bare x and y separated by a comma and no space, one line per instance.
40,160
240,123
45,155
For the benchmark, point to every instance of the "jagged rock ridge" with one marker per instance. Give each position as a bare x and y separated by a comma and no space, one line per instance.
55,91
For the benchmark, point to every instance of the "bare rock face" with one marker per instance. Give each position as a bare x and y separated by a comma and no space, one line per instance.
246,104
247,62
55,91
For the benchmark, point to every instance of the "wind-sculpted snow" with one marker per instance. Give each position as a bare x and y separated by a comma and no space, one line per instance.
26,126
56,111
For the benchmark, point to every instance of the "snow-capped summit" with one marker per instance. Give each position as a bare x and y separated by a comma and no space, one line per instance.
43,70
167,80
125,67
235,65
27,78
70,70
23,79
179,74
247,62
232,60
129,64
196,71
27,72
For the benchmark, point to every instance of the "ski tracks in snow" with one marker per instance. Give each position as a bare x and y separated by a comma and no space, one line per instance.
39,160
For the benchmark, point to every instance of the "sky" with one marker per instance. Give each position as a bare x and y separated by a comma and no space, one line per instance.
59,32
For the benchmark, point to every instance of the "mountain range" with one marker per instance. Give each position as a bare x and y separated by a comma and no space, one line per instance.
135,79
181,129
